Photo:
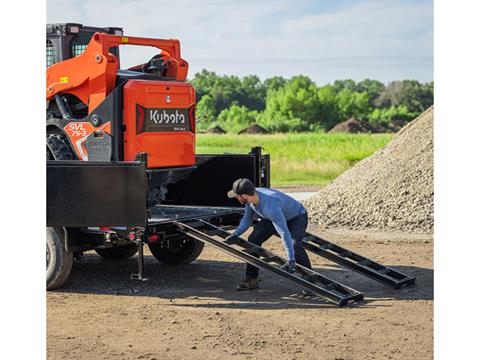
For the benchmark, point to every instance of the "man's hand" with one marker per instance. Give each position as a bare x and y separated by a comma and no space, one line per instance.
231,239
289,266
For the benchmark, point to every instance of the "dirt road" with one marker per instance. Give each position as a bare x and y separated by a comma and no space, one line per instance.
194,312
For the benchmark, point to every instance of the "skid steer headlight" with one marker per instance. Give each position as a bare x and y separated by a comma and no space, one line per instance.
74,29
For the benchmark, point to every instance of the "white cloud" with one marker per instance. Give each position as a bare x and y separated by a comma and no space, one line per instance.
365,39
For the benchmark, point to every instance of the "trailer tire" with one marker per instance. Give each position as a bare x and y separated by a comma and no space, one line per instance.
118,252
59,260
189,251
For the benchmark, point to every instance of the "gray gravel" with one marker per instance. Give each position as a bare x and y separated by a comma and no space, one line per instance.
391,190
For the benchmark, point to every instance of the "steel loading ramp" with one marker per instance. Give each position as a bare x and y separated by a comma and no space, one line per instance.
320,285
356,262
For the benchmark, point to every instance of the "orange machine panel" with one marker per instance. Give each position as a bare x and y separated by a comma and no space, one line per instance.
159,117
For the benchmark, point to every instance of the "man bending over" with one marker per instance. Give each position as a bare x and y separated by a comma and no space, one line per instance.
280,214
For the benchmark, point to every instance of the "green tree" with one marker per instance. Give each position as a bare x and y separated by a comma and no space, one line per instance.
386,115
295,105
372,87
415,96
339,85
353,104
205,112
226,91
203,83
275,83
329,109
236,118
253,93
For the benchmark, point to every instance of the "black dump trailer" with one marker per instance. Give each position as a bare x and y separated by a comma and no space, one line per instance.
103,206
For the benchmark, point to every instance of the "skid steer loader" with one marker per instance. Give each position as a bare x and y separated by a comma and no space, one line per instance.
99,112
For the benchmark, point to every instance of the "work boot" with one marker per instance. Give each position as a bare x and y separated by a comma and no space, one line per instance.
248,284
289,267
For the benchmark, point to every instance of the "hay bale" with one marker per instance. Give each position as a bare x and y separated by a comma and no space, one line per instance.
392,190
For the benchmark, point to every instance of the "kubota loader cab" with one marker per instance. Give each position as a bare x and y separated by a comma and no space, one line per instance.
66,41
99,112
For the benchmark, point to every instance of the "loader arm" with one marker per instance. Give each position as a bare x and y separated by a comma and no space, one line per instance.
92,75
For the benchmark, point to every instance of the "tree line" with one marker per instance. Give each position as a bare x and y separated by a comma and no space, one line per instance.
298,104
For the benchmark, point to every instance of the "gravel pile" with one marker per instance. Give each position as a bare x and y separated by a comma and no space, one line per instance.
254,129
352,126
392,190
216,130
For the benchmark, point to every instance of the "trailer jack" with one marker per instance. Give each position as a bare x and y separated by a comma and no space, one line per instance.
138,236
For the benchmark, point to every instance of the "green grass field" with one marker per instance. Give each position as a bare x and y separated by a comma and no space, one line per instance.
300,159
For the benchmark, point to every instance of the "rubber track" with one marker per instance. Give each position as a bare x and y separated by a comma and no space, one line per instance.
59,148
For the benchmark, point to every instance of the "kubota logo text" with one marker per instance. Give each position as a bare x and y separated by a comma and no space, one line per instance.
163,117
161,120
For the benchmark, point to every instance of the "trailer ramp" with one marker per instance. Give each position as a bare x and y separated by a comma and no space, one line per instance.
356,262
321,285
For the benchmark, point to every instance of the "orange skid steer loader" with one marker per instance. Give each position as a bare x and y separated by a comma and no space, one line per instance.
98,112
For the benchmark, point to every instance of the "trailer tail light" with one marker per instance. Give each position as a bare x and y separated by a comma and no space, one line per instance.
152,238
191,113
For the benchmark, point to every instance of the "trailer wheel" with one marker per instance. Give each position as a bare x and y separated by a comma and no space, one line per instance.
118,252
59,261
188,251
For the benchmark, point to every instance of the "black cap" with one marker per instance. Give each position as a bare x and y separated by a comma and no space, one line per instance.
241,187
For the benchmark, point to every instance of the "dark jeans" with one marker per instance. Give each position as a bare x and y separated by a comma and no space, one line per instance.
264,230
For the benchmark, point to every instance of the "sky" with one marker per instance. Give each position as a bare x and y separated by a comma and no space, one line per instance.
326,40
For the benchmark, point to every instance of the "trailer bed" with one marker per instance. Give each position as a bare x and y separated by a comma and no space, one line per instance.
162,214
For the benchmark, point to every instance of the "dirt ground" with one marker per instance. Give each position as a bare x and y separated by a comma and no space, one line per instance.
194,312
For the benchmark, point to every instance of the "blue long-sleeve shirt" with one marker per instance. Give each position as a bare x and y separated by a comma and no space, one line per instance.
277,207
